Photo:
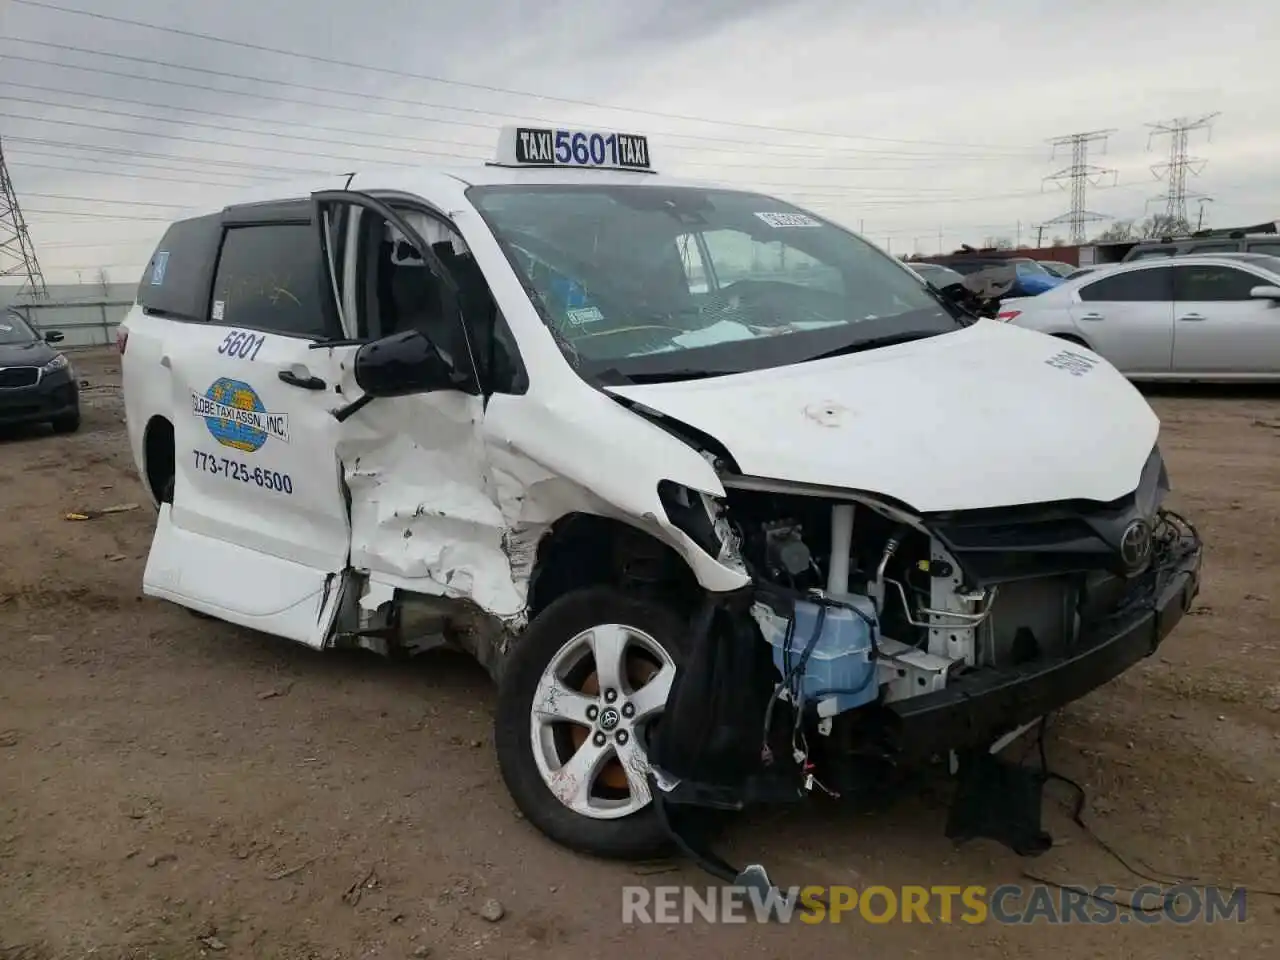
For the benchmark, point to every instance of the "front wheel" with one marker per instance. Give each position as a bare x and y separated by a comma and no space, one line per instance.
67,423
578,702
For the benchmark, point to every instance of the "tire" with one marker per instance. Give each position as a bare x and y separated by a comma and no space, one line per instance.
68,423
523,755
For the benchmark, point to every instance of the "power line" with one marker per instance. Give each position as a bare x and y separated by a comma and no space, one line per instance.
99,216
128,152
204,141
254,133
150,178
489,88
228,116
1179,164
399,116
17,254
841,189
1080,174
137,203
736,146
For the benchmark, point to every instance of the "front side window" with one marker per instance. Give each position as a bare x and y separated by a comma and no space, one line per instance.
1206,284
269,277
1150,284
640,279
14,331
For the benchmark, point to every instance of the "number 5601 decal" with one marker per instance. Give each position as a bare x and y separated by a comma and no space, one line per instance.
241,345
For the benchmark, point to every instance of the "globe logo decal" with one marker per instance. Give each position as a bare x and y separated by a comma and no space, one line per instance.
235,415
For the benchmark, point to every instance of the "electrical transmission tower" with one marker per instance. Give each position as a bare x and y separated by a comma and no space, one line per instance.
1080,175
1178,166
17,255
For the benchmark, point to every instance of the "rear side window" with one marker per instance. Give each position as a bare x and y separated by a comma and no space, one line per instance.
175,284
270,277
1135,285
1206,284
1269,247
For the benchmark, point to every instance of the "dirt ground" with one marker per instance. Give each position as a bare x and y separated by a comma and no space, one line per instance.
173,788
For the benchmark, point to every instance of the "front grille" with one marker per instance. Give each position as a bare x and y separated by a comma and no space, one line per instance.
19,377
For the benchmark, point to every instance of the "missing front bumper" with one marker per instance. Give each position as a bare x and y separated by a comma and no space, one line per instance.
974,711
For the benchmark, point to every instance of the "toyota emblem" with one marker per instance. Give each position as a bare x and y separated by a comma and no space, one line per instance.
1135,546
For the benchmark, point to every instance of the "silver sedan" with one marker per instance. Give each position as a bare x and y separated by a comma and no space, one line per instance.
1208,317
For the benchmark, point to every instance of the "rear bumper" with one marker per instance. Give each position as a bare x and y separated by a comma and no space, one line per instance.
54,396
975,711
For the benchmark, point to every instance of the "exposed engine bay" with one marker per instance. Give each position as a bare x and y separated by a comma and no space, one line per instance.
870,611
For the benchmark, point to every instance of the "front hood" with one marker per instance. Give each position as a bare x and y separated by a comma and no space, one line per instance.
35,354
988,416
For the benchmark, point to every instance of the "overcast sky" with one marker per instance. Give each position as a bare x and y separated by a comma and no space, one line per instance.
921,123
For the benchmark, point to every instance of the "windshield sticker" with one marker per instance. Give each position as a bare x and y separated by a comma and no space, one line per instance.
219,309
582,316
157,271
1076,364
788,220
237,417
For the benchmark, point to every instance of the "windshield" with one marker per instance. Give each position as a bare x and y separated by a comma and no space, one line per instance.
14,330
650,280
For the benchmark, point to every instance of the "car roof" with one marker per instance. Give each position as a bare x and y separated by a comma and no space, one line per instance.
446,185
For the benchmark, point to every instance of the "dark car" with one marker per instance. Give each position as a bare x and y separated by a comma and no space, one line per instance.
1268,244
37,383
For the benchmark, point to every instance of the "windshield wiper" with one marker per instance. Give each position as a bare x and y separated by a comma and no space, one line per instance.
888,340
614,377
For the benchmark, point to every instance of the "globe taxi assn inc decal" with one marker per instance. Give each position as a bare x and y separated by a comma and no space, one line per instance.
237,418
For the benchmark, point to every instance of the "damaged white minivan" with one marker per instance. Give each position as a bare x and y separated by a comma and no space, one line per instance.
718,492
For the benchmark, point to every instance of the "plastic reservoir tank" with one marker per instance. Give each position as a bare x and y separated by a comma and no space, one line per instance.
841,669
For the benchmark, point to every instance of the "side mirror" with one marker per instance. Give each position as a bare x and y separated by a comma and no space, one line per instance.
55,336
405,363
1265,292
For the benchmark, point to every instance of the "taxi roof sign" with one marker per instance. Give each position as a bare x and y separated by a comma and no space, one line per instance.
573,147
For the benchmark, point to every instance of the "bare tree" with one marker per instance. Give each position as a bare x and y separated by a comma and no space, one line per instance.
1163,225
1153,227
1119,231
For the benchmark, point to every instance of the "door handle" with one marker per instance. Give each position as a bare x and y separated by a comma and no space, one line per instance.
303,380
1192,317
1092,316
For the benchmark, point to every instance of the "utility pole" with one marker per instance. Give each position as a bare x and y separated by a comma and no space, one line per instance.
1175,169
17,255
1079,175
1200,218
